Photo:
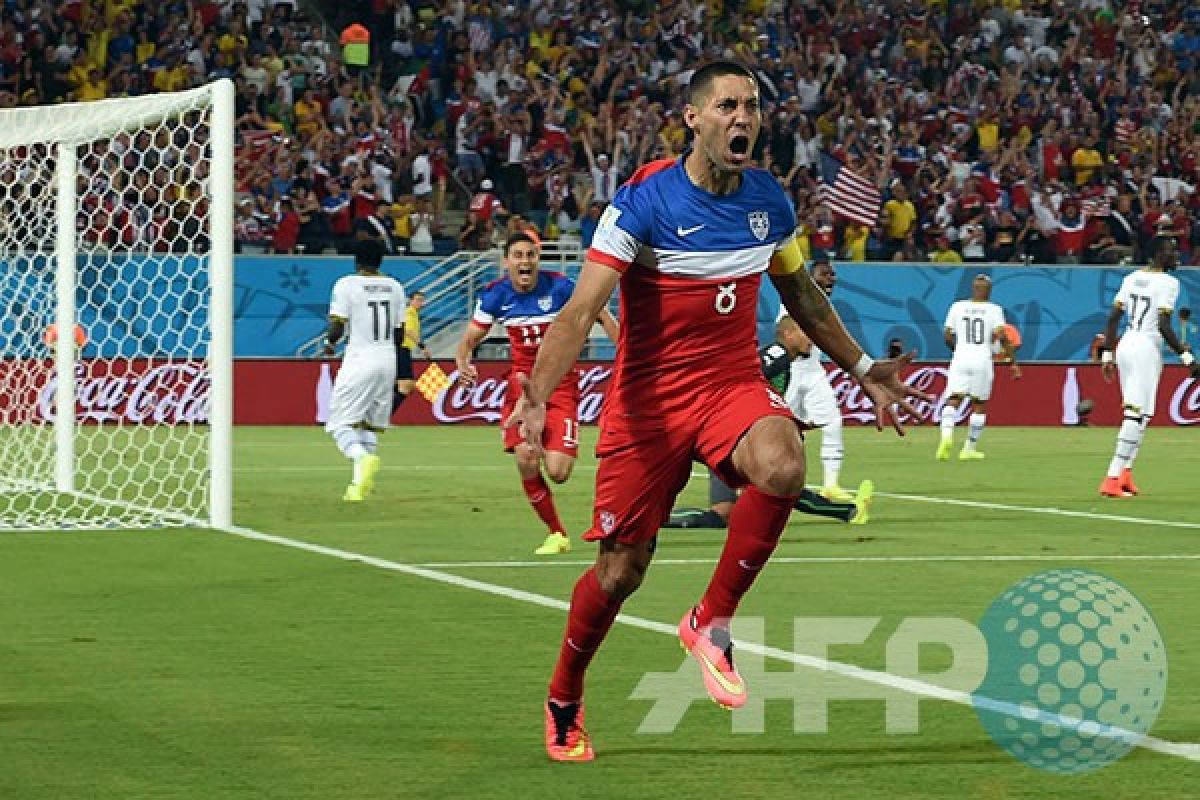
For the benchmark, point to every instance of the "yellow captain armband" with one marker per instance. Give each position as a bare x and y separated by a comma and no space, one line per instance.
788,259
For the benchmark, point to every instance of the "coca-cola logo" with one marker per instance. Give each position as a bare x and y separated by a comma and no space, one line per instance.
157,393
1185,403
856,405
485,400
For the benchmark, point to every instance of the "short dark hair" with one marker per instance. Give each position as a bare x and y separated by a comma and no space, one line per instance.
517,238
417,293
368,254
702,79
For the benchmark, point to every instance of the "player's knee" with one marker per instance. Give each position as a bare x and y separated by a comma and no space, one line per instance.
527,459
558,472
620,577
784,478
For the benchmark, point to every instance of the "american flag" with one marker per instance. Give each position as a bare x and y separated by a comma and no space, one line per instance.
849,194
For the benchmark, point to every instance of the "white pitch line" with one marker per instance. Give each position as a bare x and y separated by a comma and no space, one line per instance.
554,562
1186,750
1061,512
918,498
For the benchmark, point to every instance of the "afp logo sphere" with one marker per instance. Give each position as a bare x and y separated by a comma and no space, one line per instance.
1077,671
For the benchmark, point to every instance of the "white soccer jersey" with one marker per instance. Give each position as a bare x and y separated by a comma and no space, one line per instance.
974,325
373,307
1143,296
807,370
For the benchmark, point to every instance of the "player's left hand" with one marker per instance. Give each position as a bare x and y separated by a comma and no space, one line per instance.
528,417
887,392
1016,372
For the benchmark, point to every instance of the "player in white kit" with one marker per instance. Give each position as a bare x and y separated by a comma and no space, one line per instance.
371,307
810,396
1147,297
971,327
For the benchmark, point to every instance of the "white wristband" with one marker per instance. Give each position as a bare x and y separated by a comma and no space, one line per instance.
863,366
1187,358
1106,357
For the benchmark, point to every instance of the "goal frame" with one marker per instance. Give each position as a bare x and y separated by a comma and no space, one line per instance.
69,129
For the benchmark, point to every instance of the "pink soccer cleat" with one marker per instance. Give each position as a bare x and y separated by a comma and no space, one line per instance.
713,649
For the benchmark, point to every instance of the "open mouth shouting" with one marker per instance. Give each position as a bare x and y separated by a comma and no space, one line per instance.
739,149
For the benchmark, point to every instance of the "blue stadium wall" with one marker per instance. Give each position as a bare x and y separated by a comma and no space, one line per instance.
281,301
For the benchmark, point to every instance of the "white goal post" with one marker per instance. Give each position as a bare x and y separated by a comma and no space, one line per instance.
116,231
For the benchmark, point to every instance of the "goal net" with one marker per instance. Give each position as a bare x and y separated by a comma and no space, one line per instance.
116,329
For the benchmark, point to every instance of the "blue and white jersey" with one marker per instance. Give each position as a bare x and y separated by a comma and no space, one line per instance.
691,264
525,315
661,220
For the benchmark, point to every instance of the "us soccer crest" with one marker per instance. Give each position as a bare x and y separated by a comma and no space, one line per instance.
760,224
544,303
608,522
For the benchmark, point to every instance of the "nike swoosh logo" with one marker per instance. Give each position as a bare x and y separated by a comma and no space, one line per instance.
571,644
682,231
726,684
752,568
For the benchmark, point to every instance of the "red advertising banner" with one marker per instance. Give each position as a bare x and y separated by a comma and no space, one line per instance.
286,392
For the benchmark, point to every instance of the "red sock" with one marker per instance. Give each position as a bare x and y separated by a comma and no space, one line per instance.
592,613
542,500
754,529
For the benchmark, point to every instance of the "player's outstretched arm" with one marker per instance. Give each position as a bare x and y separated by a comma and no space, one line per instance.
472,336
568,333
810,307
559,349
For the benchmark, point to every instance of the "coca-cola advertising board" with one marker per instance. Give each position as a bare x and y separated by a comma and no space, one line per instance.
289,392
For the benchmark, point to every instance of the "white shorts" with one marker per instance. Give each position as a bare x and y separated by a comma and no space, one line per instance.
1139,363
811,400
362,393
973,378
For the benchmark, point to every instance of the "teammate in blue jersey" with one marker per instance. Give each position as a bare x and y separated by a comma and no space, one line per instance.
525,302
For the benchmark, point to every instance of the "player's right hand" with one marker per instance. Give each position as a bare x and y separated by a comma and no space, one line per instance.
887,392
528,417
1108,370
468,376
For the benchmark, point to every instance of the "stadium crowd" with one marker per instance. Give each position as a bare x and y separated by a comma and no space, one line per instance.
1005,130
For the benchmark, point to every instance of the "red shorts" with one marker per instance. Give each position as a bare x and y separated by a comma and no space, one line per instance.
645,464
561,433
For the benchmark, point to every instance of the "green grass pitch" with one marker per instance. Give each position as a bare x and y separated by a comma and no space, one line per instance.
194,664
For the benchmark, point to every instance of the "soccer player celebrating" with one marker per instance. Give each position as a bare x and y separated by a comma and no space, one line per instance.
970,329
525,302
1148,297
688,240
372,307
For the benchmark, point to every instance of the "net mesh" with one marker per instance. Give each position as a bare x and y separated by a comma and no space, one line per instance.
141,233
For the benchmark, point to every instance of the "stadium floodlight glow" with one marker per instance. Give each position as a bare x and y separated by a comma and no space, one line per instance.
116,223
